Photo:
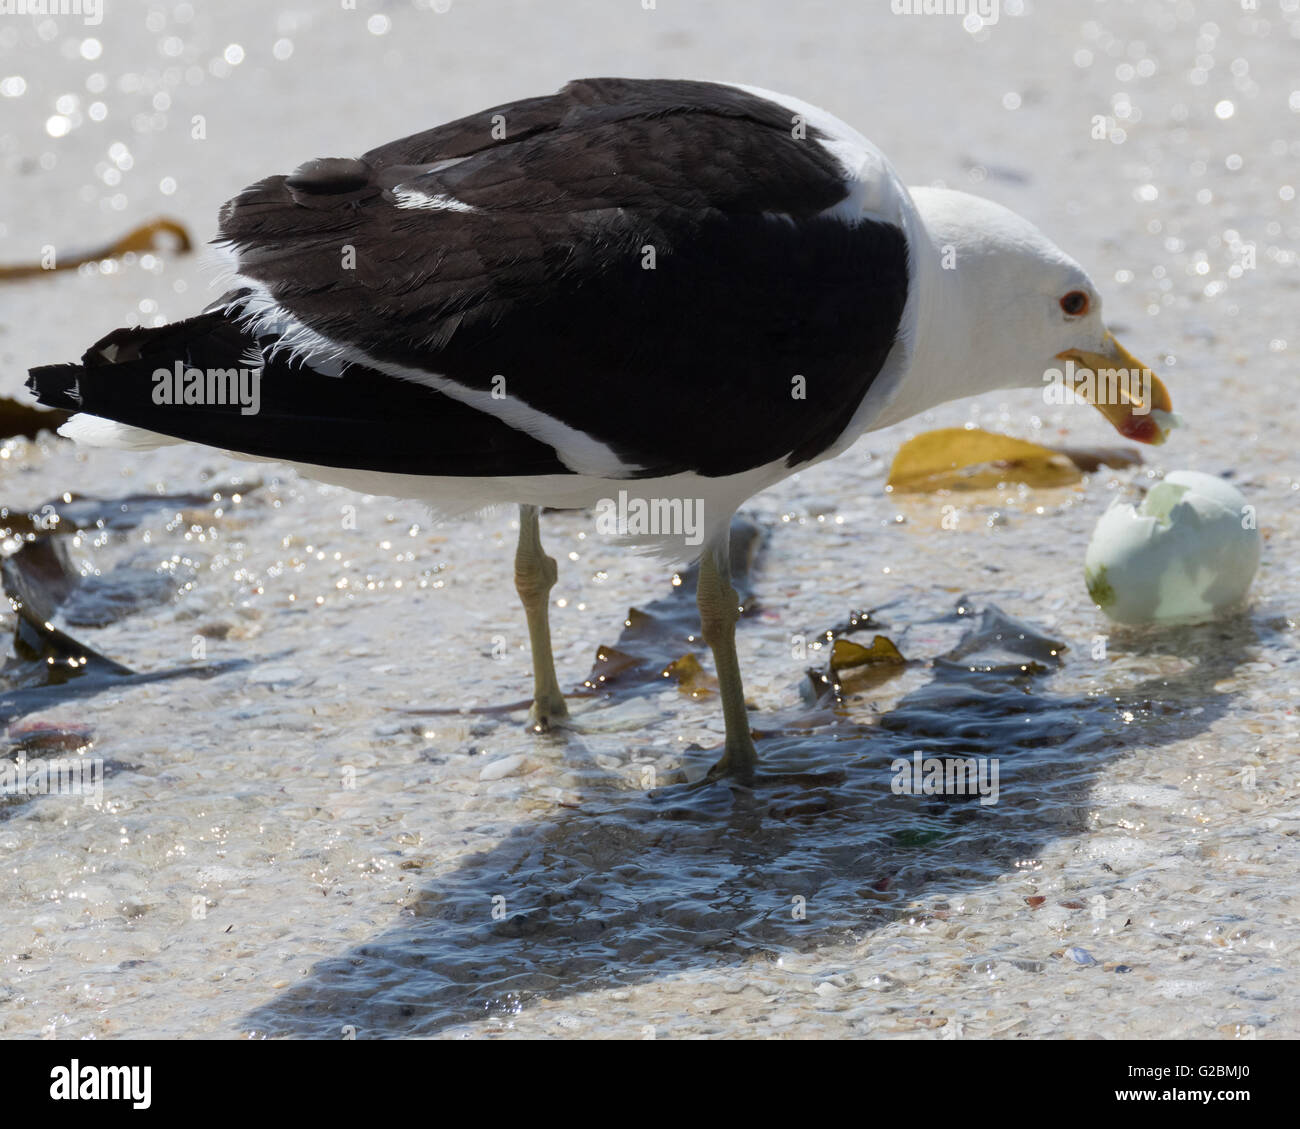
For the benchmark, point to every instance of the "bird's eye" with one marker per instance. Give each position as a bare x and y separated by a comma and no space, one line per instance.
1075,303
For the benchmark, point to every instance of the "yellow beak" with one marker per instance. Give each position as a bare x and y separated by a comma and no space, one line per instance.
1123,389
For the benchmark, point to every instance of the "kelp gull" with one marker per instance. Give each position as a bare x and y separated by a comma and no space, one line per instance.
669,289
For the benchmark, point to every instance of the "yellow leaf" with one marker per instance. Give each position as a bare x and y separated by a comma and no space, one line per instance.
610,664
846,654
954,458
692,679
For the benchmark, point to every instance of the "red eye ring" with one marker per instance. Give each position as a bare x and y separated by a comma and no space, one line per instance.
1075,303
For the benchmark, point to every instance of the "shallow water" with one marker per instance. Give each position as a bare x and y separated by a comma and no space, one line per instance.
290,842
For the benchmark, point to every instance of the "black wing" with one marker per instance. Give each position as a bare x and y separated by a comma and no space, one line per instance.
644,261
363,419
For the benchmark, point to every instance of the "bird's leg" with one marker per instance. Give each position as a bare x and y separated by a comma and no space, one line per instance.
534,578
719,610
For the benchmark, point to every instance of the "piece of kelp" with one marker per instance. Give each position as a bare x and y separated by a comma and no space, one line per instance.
957,458
654,647
853,667
142,238
37,579
125,590
49,666
23,419
998,643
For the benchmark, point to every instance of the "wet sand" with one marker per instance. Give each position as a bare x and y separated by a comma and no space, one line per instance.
293,845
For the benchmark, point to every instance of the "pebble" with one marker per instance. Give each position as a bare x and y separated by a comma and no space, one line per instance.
276,676
498,769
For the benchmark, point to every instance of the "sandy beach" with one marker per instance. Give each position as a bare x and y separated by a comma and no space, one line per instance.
291,841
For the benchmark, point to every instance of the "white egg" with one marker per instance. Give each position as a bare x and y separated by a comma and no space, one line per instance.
1188,552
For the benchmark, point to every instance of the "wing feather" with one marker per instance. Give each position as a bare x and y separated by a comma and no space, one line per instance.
644,269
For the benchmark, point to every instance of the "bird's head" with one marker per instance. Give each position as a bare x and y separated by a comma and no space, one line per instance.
1029,316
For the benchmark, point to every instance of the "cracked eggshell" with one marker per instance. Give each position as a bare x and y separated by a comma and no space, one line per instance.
1188,552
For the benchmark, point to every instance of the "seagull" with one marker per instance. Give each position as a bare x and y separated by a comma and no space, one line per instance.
654,297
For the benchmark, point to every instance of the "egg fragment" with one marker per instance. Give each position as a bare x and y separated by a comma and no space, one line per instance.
1187,553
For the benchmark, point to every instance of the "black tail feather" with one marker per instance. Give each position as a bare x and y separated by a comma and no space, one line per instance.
362,419
56,386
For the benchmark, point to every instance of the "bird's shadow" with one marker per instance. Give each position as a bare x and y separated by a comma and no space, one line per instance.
629,886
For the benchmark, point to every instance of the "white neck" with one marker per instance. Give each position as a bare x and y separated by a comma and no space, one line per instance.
937,325
945,329
979,322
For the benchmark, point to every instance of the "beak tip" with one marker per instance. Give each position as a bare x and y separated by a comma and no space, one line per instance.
1150,397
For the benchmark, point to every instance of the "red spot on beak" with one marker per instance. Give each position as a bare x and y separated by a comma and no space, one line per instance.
1141,429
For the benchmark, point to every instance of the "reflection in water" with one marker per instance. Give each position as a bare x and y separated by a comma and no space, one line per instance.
633,886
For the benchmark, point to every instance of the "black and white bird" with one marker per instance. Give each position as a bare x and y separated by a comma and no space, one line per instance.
675,290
